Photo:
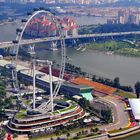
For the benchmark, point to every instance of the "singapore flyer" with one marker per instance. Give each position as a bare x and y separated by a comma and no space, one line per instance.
19,39
52,109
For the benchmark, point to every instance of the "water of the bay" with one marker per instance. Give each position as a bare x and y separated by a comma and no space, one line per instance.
132,137
8,31
109,66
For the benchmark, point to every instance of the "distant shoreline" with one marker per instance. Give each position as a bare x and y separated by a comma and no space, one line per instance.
125,135
4,22
115,47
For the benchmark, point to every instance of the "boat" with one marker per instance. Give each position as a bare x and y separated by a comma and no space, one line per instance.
79,48
110,53
83,49
68,58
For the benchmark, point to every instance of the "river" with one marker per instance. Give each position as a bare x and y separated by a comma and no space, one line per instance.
109,66
133,137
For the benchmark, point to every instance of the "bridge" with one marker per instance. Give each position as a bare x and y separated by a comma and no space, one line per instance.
47,39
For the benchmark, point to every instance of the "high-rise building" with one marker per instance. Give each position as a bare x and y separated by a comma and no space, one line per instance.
19,1
129,16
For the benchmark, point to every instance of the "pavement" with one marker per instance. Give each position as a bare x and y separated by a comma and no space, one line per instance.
120,115
20,137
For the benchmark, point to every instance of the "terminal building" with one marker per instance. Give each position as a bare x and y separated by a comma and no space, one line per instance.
46,121
42,82
42,120
25,74
80,90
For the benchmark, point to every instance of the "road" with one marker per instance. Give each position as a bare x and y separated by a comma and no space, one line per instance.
46,39
119,113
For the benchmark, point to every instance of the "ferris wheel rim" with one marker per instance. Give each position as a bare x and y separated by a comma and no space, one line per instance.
62,42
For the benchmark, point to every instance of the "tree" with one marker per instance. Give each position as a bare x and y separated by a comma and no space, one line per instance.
68,135
117,82
84,103
92,130
107,115
137,89
58,138
96,129
8,103
94,78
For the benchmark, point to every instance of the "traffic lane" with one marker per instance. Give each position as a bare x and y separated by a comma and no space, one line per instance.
119,113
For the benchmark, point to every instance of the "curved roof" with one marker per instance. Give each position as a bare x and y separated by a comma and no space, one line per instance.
135,106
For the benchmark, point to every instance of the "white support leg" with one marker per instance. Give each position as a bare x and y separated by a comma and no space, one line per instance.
51,90
34,89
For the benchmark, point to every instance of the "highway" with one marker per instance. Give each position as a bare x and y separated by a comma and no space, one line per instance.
120,115
46,39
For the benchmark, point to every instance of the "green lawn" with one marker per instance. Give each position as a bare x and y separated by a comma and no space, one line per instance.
65,109
118,47
125,94
129,51
75,130
27,102
109,45
68,108
72,106
43,137
119,130
21,114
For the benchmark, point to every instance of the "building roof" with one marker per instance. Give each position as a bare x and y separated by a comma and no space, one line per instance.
24,70
88,96
135,106
79,86
77,97
97,86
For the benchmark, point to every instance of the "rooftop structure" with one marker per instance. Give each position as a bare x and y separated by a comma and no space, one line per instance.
29,123
25,123
96,86
27,71
129,16
134,104
80,90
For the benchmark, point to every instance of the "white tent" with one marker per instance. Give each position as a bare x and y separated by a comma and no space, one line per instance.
135,106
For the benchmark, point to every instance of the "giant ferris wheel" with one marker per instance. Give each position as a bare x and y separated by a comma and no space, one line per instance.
17,45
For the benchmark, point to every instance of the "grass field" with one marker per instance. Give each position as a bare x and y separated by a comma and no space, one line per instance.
117,47
21,114
125,94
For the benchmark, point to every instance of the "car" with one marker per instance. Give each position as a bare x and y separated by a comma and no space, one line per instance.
29,13
18,30
24,20
41,8
35,9
15,91
48,9
11,81
15,41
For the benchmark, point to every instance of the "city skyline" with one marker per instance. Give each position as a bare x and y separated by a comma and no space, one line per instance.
69,1
69,69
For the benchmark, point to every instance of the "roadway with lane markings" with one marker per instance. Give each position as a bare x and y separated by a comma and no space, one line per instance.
47,39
